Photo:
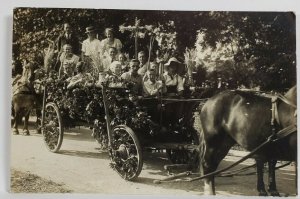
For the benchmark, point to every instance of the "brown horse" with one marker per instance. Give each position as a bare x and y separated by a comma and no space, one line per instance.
245,118
23,97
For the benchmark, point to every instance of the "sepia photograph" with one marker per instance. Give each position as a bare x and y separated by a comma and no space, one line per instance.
153,102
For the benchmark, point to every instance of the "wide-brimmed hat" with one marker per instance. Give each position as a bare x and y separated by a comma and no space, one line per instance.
172,59
90,29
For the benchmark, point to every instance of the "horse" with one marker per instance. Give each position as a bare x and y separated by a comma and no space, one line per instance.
244,118
23,97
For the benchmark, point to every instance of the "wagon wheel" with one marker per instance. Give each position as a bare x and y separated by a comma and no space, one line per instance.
126,153
52,129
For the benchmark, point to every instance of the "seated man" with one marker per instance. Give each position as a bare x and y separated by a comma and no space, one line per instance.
152,86
174,82
68,71
106,62
132,77
81,79
154,67
143,63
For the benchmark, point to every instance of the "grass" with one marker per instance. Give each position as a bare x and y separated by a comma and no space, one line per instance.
25,182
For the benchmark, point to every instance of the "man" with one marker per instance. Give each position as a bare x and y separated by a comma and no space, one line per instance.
133,77
68,37
90,47
112,53
143,63
174,82
152,86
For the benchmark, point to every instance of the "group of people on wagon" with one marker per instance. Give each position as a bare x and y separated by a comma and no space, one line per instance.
147,78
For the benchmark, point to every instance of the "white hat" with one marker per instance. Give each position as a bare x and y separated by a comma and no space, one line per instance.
172,59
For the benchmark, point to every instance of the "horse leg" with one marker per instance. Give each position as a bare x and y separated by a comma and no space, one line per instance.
25,129
272,189
260,177
16,119
38,121
209,183
213,156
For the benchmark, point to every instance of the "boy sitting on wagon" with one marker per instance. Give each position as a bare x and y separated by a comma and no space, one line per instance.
133,78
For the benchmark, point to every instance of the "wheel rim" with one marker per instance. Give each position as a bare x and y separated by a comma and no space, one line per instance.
126,155
52,128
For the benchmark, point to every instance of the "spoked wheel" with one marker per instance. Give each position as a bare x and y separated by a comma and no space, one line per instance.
126,153
52,129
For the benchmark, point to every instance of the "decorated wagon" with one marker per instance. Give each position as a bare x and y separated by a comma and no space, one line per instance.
123,123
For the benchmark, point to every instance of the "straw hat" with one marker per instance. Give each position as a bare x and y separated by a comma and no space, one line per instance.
172,59
90,29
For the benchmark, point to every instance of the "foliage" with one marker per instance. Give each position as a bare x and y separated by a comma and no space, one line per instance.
253,49
258,46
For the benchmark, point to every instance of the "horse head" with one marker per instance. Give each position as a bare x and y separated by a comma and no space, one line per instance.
287,108
24,82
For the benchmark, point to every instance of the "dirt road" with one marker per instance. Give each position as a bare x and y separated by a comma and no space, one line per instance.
83,168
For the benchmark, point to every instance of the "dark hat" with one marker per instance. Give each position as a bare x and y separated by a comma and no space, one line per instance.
90,29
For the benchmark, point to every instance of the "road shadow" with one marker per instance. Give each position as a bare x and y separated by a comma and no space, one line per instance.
85,154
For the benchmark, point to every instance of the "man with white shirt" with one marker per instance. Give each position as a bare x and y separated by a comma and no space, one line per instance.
132,76
152,86
112,52
90,47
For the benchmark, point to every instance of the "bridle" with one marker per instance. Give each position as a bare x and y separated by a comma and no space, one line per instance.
275,116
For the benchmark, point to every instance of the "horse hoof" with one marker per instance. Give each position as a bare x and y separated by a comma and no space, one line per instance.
15,132
274,193
263,193
26,133
38,131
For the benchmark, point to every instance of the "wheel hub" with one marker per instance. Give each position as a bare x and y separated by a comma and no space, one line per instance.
122,152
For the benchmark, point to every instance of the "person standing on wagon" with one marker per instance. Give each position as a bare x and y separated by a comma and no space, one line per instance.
90,47
173,81
68,37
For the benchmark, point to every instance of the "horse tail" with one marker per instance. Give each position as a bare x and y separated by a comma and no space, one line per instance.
202,143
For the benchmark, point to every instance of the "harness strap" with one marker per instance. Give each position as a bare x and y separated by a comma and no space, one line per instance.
281,134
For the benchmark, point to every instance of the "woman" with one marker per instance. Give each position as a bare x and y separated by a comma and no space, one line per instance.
110,41
173,81
67,58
